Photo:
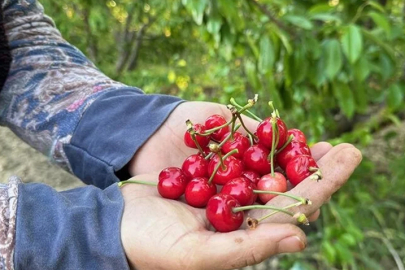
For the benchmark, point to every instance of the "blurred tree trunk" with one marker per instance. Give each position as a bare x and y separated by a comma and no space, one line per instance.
133,58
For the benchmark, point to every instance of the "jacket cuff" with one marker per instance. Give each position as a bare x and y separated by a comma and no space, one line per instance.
112,129
75,229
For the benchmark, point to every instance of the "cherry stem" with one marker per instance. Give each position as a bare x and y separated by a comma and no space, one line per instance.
234,103
299,199
287,143
221,161
212,130
275,212
197,144
222,143
191,130
258,206
133,181
251,140
273,145
234,151
243,125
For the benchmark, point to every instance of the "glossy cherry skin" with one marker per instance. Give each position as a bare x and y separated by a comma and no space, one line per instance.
255,159
172,183
202,140
253,176
269,183
233,169
239,142
299,136
199,191
214,121
298,168
241,189
195,166
219,213
293,149
265,133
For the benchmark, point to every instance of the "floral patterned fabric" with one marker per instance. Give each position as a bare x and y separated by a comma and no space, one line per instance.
47,88
8,210
50,84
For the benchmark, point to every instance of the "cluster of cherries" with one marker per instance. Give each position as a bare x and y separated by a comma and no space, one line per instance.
251,168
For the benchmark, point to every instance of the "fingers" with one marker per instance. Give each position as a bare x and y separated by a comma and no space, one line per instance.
336,166
248,247
320,149
313,217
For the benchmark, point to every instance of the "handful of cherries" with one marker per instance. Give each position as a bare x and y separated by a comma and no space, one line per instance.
252,169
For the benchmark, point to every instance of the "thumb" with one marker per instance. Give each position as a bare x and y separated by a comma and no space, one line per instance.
249,247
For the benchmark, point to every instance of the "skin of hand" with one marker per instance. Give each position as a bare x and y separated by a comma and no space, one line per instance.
158,233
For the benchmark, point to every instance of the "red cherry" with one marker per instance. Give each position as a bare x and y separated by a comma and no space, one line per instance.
241,189
202,140
199,191
256,159
239,142
195,166
172,183
253,176
299,136
293,149
214,121
233,169
219,213
271,183
265,133
298,168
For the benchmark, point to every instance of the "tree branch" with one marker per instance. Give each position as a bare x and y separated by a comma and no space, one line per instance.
270,16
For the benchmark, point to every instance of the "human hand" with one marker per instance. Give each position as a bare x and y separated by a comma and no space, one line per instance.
158,233
166,147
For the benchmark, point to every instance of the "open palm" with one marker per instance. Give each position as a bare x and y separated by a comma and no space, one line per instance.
173,235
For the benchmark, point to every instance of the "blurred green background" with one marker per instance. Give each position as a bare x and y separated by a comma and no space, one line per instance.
334,69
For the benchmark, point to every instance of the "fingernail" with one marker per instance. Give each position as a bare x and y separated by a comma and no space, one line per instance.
291,244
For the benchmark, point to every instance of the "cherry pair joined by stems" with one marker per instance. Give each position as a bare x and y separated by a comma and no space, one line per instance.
225,214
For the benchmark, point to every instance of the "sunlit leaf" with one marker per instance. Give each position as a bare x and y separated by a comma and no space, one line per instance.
333,57
352,43
380,20
299,21
266,59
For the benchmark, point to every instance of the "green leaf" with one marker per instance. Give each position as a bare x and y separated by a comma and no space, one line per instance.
214,24
352,43
284,39
348,239
299,21
266,59
344,254
320,8
325,17
251,75
253,47
381,21
360,97
345,98
329,251
361,69
387,66
395,96
377,40
333,57
376,6
197,8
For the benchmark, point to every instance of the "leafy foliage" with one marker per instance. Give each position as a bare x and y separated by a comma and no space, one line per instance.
335,68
